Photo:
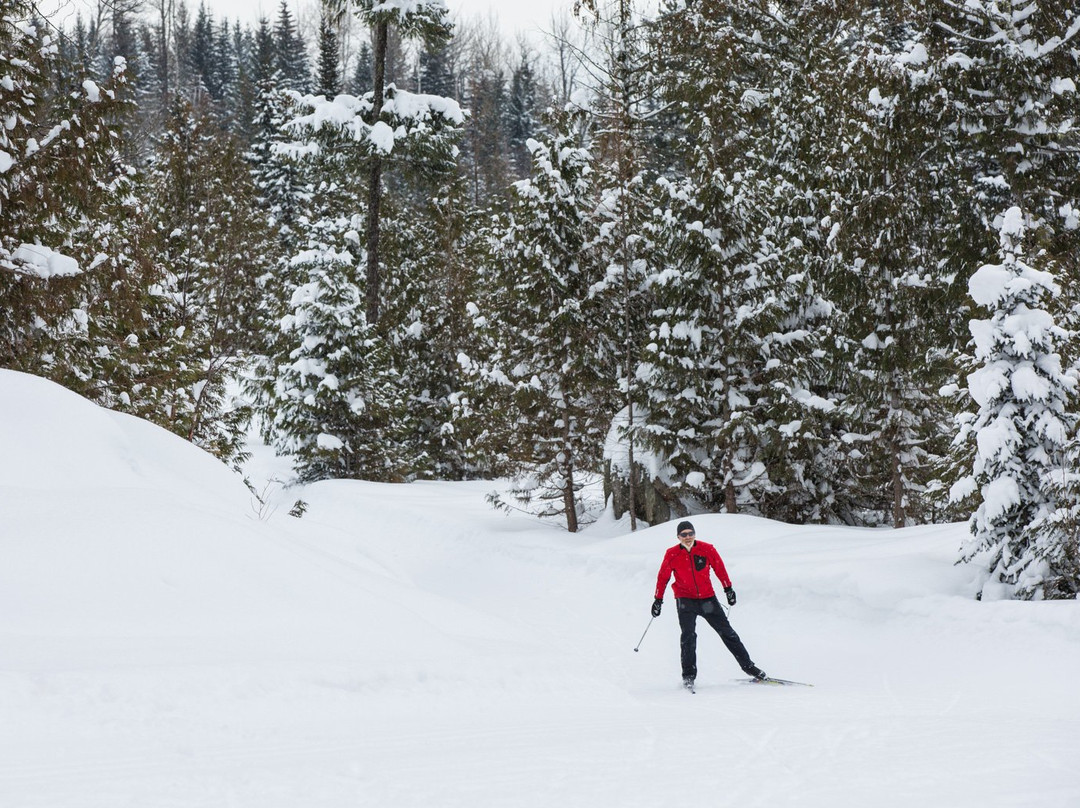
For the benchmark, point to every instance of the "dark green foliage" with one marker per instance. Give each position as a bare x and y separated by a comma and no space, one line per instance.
547,357
61,167
209,236
328,80
522,114
292,64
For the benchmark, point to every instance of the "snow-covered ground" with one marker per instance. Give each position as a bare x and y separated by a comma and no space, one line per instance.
166,642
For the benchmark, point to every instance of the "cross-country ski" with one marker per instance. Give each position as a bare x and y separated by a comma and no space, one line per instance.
769,680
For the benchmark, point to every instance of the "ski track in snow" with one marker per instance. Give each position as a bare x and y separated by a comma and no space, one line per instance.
407,646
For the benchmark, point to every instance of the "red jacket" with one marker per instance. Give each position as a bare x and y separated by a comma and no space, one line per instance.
691,568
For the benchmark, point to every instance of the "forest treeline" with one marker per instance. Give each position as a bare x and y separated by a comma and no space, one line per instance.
815,261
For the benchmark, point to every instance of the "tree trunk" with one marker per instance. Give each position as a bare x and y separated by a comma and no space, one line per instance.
569,501
899,511
165,12
731,504
626,172
375,182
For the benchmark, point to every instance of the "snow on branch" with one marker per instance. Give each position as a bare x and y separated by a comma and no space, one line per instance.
405,115
424,18
43,262
405,7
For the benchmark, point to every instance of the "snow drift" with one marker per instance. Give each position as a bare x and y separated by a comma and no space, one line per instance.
164,643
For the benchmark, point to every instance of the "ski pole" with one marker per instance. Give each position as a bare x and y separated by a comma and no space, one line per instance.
646,631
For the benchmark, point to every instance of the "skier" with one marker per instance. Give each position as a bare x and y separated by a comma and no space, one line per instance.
690,561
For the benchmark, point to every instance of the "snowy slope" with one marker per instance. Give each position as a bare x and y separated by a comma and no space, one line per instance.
160,645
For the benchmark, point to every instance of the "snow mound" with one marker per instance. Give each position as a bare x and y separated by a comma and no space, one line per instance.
54,439
122,541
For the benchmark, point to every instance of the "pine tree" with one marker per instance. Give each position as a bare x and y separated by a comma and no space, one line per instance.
427,21
435,75
486,155
265,56
292,58
337,408
1009,71
283,184
362,77
225,74
203,56
485,159
547,356
210,240
522,114
1055,572
181,75
890,269
1024,418
732,371
386,440
329,76
619,128
59,166
434,248
243,92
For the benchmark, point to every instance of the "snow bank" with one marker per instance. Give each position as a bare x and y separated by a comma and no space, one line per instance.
55,440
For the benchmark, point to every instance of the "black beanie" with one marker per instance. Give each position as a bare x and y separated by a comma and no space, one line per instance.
684,526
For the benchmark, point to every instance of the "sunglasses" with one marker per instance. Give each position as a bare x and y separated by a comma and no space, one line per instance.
686,533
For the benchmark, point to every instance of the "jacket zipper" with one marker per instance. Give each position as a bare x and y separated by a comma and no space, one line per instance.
693,573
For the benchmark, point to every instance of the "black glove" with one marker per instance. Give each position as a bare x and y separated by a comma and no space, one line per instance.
656,604
730,596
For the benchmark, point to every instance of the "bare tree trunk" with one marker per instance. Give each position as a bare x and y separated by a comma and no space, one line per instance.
165,12
375,186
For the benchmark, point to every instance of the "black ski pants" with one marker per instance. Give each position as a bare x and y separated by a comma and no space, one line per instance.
690,609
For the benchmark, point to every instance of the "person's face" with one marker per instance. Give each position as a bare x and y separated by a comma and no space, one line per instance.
687,537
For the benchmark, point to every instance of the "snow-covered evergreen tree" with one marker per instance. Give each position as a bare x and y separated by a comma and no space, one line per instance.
204,56
335,142
1056,536
338,405
60,169
421,19
211,241
1010,72
434,246
549,359
892,269
291,51
435,72
522,112
1024,420
698,371
732,370
328,76
616,109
